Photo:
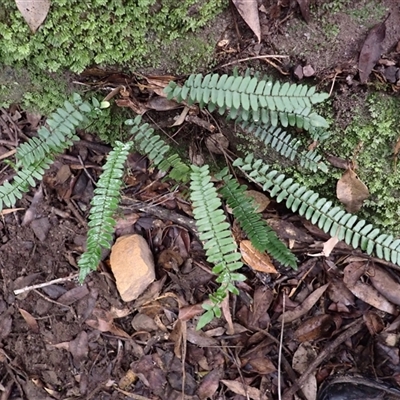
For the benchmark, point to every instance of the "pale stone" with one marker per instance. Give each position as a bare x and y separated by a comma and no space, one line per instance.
132,264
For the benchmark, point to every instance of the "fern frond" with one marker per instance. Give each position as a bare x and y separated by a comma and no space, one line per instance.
103,206
62,123
157,150
284,144
333,220
221,249
37,154
260,234
252,98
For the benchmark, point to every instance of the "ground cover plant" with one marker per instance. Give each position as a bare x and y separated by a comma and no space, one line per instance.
62,339
248,98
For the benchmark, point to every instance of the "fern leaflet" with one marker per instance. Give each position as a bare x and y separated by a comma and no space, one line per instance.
157,150
252,98
219,245
333,220
262,237
37,154
103,206
284,144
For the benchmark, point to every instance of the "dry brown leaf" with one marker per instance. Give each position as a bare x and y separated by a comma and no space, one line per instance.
384,283
371,50
209,384
365,292
260,365
79,348
259,199
305,306
238,388
181,119
256,260
162,104
351,191
103,321
30,320
327,248
305,9
226,311
34,12
73,295
258,317
317,327
302,358
373,322
132,264
248,9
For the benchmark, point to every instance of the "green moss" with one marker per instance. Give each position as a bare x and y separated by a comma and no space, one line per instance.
375,128
77,34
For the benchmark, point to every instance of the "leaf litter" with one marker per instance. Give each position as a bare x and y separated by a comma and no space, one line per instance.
150,347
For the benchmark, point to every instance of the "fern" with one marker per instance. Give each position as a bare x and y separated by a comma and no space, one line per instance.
333,220
252,99
282,142
262,237
157,150
220,247
103,206
37,154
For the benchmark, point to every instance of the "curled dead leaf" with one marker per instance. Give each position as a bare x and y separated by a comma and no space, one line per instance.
255,259
248,10
351,191
305,306
385,284
371,50
365,292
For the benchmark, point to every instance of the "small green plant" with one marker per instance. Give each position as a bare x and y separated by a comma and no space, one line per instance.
252,99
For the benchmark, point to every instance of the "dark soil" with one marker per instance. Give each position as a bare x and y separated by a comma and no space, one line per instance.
71,341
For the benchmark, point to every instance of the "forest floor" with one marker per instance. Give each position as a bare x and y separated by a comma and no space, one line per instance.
62,340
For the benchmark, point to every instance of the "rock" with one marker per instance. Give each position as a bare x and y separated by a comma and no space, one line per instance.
132,264
308,71
298,72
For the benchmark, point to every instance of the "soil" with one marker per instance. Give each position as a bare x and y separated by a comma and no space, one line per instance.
70,341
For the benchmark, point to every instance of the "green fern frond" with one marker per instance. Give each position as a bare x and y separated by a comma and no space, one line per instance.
62,123
252,98
284,144
103,206
221,249
37,154
157,150
333,220
262,237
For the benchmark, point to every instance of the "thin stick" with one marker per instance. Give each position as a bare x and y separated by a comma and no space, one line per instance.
252,58
325,354
41,285
280,347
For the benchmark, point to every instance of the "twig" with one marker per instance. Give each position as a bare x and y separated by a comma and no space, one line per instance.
41,285
161,213
280,347
325,354
253,58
